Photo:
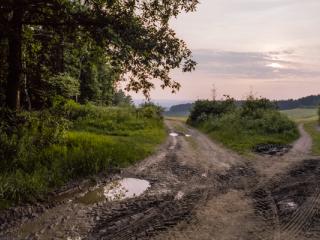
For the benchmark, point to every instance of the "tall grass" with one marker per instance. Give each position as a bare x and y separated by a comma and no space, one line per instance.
97,139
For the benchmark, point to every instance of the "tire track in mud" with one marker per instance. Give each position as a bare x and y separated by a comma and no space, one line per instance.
291,209
150,216
146,217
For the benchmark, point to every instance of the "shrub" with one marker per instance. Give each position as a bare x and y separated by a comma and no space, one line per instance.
204,109
254,107
256,121
62,85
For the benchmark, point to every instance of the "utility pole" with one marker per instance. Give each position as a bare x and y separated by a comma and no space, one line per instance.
214,92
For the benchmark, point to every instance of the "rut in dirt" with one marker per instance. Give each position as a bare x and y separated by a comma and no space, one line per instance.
291,204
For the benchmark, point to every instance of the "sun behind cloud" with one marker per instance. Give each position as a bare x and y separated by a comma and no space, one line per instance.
275,65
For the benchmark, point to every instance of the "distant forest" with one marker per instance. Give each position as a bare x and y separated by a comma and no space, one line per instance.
305,102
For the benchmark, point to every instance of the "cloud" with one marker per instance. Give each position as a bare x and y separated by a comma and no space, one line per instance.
254,65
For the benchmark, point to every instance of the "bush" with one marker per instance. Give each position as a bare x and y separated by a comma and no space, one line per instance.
202,110
62,85
257,121
255,107
23,135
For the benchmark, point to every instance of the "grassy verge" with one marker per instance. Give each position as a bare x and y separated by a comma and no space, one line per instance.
311,128
97,140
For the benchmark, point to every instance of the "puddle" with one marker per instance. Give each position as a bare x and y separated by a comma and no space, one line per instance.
289,205
179,195
116,190
204,175
173,134
292,205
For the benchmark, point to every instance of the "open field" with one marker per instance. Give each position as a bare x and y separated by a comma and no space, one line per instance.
302,114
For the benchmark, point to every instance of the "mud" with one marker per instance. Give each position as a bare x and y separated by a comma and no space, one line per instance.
192,188
272,149
292,202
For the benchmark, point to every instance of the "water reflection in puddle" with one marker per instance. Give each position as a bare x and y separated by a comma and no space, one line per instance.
173,134
179,195
288,205
292,205
116,190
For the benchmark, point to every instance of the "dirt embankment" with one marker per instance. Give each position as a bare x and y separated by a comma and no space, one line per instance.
199,190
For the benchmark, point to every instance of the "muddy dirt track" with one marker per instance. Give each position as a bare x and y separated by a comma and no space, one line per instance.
199,190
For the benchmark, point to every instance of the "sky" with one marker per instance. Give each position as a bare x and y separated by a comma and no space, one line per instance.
270,48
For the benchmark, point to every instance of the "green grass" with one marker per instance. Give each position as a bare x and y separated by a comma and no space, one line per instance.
312,128
301,114
243,142
99,140
243,133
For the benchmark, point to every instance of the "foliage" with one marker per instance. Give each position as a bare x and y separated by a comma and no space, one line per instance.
120,98
255,107
204,109
256,121
87,39
62,85
45,150
305,102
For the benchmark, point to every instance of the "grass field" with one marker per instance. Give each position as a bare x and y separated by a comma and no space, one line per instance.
302,114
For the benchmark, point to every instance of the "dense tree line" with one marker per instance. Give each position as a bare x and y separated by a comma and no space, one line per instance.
81,48
305,102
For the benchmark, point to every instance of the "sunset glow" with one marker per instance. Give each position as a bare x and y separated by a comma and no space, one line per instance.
275,65
265,45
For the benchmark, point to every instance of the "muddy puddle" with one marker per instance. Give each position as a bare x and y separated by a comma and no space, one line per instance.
176,134
116,190
173,134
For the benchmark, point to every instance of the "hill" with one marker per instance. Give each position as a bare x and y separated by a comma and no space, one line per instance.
179,110
305,102
311,101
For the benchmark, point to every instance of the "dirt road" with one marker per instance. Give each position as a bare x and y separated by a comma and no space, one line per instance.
198,190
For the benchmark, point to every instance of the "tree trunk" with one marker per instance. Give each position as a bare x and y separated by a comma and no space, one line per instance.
15,75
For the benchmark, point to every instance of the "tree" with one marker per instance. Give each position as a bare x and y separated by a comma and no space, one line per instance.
134,33
120,98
